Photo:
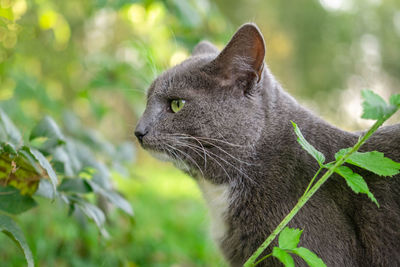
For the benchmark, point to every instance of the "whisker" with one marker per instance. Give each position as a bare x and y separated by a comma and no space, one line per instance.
224,151
189,157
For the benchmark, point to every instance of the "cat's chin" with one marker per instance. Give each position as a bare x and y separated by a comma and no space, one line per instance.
166,158
161,156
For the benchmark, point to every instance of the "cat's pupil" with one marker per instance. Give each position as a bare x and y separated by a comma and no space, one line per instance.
177,105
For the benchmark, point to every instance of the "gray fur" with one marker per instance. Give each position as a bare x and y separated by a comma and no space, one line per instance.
235,129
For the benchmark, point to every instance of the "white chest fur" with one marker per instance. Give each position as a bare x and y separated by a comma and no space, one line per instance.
217,198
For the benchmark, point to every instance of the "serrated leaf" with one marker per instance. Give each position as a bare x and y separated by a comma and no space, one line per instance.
309,257
374,106
283,257
395,100
47,128
13,135
8,226
307,146
45,164
373,161
289,238
355,182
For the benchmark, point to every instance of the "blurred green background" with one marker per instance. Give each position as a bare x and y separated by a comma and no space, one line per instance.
95,59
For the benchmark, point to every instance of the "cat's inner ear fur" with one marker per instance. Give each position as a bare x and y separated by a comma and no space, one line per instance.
204,47
243,56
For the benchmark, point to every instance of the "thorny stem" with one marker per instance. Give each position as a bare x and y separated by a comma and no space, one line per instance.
309,193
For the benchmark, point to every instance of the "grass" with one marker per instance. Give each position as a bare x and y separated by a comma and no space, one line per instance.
169,227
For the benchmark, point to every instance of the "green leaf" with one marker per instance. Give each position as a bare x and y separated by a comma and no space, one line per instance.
92,212
374,106
307,146
12,134
10,228
48,129
372,161
11,201
355,182
75,185
283,256
289,238
20,171
308,256
113,197
395,100
45,164
9,148
45,189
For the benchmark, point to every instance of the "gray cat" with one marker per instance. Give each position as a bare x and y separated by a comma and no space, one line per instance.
223,118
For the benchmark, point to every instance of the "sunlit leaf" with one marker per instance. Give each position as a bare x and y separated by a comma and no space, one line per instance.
48,128
44,163
355,182
19,171
374,107
395,100
9,227
289,238
8,130
307,146
283,257
372,161
310,257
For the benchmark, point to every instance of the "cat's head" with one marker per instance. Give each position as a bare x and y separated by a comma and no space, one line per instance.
208,111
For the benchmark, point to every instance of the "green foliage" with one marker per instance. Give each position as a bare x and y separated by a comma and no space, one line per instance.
73,76
289,238
318,156
372,161
283,256
288,241
375,107
24,168
395,100
13,202
8,226
153,237
308,256
355,182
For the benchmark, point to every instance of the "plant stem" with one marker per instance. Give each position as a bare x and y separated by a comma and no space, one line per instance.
307,195
263,258
312,180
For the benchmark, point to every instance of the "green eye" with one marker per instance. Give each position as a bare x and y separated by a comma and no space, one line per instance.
177,105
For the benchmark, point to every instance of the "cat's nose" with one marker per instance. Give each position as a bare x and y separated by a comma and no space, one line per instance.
140,133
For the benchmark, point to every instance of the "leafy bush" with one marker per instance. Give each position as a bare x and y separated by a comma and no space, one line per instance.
57,166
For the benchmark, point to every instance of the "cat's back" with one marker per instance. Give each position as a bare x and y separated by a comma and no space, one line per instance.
379,228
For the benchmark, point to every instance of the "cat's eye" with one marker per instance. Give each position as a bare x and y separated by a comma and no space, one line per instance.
177,105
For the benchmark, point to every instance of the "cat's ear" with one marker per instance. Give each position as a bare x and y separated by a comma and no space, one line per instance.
243,56
204,47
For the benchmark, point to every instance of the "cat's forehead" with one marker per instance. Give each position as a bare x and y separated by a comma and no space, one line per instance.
189,75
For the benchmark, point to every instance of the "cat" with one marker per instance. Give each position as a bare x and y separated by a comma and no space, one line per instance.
224,119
